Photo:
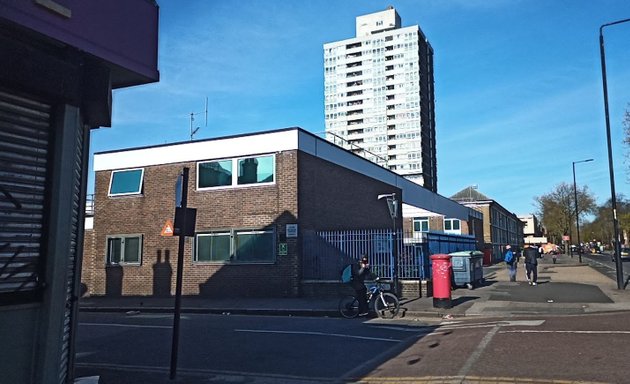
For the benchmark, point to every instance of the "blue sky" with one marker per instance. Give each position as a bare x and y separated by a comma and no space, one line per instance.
517,83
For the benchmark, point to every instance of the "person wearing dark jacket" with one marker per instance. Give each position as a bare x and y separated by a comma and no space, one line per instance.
531,255
358,284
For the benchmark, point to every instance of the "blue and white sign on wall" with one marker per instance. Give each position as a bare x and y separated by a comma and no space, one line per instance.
292,230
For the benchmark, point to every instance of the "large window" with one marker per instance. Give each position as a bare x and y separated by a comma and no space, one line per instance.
125,249
421,224
254,246
213,247
215,174
254,170
236,172
236,246
126,182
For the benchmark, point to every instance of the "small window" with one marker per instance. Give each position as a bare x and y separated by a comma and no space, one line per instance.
213,247
421,224
254,170
127,182
214,174
124,249
451,225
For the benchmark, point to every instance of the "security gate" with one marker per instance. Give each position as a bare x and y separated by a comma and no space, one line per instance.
35,137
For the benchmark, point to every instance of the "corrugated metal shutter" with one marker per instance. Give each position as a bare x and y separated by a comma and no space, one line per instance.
76,244
25,137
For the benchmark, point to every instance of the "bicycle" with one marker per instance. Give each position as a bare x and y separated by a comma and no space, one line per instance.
384,303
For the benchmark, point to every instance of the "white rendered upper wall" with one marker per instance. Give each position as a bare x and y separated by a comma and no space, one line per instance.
273,142
379,21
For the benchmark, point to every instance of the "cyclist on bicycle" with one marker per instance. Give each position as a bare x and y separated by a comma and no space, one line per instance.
358,284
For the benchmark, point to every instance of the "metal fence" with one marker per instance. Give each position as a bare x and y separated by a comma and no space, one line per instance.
326,253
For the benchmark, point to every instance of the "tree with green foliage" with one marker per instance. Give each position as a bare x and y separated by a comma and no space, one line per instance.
557,210
601,228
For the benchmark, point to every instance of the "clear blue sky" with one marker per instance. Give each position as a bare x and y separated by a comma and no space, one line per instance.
517,83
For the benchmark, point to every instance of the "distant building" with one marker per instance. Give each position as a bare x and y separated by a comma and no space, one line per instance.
379,96
533,231
500,226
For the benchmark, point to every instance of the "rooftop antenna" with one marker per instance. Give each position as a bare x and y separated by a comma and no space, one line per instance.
192,119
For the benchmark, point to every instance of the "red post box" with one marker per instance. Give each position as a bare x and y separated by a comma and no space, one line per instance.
441,269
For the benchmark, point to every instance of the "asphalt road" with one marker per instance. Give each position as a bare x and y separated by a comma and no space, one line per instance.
604,264
287,348
252,349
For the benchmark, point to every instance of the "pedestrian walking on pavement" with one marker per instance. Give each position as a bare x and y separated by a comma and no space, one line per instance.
511,261
531,255
358,284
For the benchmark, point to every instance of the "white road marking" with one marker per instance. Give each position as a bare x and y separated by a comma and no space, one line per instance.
447,326
225,376
578,332
125,325
319,334
508,323
472,359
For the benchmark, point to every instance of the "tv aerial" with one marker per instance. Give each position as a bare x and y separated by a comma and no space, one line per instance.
192,121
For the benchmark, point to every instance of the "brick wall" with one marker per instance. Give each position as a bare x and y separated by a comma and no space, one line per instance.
268,206
335,198
87,266
329,197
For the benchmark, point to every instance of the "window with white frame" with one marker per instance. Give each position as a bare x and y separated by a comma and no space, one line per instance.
452,226
421,224
254,170
124,249
126,182
235,246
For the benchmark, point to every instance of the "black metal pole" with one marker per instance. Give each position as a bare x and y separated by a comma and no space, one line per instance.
577,212
178,284
613,197
577,217
395,254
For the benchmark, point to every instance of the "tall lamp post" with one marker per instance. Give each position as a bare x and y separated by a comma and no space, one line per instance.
392,204
577,212
613,198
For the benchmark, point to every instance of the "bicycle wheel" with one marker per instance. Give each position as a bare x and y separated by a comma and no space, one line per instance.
349,307
386,305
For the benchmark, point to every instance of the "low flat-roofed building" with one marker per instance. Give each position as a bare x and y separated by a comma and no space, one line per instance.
256,196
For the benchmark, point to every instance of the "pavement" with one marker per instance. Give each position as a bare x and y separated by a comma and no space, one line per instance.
564,288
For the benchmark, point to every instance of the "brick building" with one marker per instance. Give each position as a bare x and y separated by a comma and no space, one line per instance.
255,196
500,226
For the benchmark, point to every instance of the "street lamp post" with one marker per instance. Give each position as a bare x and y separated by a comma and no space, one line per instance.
392,204
577,212
613,198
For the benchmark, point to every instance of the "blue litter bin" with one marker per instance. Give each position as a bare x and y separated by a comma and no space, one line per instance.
467,268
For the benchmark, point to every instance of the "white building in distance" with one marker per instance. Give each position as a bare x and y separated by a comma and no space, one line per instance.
379,96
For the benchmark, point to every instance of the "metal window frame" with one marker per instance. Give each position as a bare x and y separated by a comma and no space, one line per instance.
122,250
209,234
